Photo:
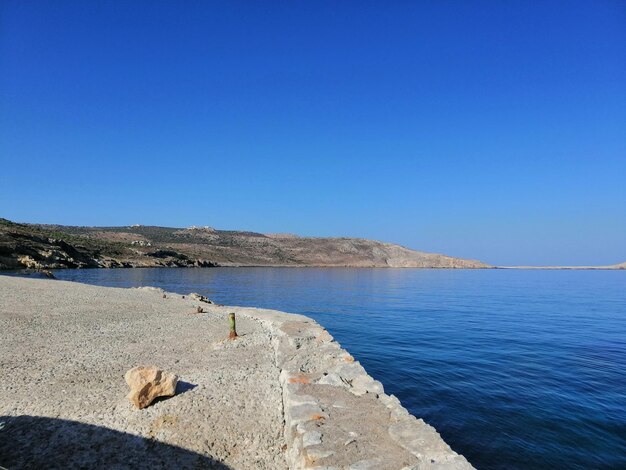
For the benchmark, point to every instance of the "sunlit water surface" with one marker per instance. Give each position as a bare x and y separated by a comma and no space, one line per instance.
516,369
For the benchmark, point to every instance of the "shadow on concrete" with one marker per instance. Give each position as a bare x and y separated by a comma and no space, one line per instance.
182,387
37,442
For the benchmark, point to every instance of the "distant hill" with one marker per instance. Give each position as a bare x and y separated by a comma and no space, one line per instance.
58,246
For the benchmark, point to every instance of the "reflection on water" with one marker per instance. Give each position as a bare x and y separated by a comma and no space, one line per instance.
516,369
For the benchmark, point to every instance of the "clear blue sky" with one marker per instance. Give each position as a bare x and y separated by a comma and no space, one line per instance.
489,130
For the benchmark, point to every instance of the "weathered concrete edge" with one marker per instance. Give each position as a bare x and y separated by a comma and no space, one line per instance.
307,353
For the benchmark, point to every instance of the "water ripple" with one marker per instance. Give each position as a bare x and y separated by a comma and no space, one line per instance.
516,369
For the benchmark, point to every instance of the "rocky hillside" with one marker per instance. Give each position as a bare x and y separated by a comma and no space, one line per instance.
56,246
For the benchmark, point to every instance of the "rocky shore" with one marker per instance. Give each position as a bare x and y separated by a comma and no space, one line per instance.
56,246
283,394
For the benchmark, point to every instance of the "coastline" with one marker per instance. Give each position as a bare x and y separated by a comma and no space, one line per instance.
56,246
285,389
616,267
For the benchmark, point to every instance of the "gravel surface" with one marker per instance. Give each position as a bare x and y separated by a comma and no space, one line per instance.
64,351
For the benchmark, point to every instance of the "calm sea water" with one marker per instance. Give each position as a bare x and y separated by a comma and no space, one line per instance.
516,369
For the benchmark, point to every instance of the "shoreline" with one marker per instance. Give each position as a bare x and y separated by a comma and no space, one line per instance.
302,401
34,270
565,268
48,247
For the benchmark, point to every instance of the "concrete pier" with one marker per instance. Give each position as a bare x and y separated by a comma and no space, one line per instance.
283,394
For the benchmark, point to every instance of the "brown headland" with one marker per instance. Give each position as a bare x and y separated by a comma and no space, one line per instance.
57,246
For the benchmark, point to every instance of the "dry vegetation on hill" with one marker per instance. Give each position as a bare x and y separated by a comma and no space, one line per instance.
57,246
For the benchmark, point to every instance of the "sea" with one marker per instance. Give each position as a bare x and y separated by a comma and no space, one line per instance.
516,369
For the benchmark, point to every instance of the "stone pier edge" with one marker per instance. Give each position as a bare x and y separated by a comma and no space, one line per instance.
306,353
